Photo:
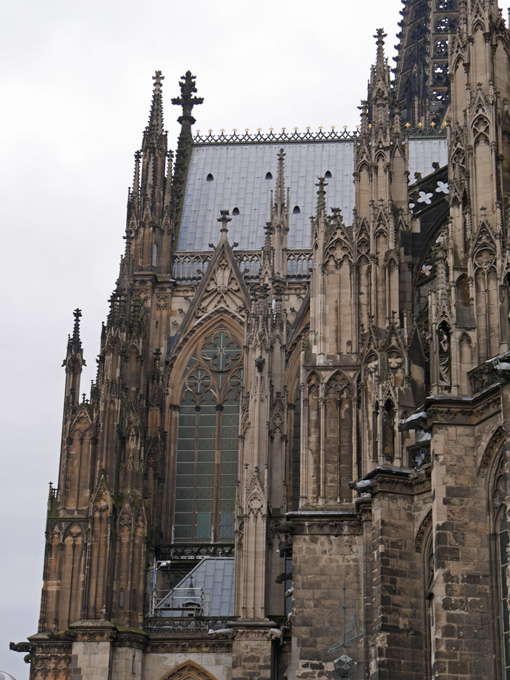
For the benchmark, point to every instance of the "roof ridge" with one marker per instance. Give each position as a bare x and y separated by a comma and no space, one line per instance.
272,136
321,135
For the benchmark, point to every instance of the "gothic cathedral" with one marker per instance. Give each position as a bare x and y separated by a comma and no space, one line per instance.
294,460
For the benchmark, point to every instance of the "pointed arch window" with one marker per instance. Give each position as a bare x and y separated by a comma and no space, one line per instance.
428,569
207,444
502,564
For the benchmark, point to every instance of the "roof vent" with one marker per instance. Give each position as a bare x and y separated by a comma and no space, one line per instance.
235,211
209,178
296,210
269,175
327,175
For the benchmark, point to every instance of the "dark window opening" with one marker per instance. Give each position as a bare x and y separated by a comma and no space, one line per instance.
235,211
269,175
328,175
209,178
296,210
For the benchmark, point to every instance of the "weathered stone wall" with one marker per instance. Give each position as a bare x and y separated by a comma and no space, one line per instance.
463,643
252,658
397,630
91,660
327,555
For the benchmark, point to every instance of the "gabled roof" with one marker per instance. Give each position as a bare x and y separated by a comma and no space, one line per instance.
239,181
227,175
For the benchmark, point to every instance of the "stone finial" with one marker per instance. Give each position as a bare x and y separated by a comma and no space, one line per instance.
156,112
187,100
224,219
379,37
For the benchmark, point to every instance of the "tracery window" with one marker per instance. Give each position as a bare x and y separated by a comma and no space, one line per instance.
501,532
207,444
296,454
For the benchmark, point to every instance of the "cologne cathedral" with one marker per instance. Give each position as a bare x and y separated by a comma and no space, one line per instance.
293,462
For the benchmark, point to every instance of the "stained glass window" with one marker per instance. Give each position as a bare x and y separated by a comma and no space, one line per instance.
207,444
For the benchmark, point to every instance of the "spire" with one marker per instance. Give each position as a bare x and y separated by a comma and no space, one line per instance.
278,228
321,196
147,195
422,84
380,63
156,114
379,88
154,131
76,340
73,362
280,185
380,73
168,184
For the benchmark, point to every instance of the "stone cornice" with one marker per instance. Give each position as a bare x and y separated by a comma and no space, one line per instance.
94,631
389,479
131,638
162,644
321,522
254,629
452,410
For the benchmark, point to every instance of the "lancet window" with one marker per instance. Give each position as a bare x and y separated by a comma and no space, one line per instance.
207,444
502,565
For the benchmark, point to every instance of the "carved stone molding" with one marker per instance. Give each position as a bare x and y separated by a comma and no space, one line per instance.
133,639
94,631
259,630
496,440
189,670
422,530
188,646
462,411
325,523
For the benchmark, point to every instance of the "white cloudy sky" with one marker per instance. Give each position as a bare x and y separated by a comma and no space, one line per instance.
76,82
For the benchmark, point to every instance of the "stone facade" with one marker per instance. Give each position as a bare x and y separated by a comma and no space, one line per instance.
334,418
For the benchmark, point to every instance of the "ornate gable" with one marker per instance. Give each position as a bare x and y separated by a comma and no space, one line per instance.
222,287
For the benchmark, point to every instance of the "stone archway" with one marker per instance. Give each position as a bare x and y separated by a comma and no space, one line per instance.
189,670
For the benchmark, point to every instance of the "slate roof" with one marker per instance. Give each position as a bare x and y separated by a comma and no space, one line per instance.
424,152
216,576
225,176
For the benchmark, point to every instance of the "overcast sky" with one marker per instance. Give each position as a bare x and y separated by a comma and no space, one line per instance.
76,83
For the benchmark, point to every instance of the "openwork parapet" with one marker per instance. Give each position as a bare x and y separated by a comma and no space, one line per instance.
185,624
322,135
332,135
190,267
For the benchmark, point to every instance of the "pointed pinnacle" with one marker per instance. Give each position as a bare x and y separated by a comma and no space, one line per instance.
156,113
379,36
280,180
136,176
321,195
76,329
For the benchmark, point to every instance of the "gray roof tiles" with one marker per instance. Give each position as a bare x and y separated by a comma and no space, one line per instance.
239,172
239,181
215,575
